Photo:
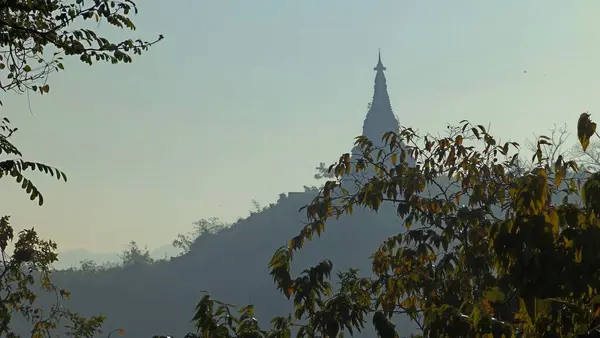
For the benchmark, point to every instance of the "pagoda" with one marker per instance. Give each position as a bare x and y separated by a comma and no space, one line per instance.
380,118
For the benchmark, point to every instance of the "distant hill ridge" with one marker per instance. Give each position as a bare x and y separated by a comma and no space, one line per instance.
231,265
72,258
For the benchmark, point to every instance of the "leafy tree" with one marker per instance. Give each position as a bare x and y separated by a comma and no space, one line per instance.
133,255
36,35
485,252
589,159
555,145
322,172
27,259
257,208
88,265
312,188
203,227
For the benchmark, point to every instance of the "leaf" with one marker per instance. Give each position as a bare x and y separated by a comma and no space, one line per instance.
27,68
559,175
578,255
585,129
476,316
553,220
394,158
403,209
383,327
526,311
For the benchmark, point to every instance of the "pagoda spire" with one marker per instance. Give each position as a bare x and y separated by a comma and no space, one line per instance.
380,118
379,66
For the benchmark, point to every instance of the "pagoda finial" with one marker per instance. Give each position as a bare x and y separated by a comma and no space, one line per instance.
379,66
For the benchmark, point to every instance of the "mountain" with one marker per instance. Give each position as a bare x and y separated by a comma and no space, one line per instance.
231,265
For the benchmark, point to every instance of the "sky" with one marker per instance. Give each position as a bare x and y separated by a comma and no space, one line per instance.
243,99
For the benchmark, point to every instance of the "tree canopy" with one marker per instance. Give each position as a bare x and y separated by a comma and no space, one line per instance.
35,36
26,259
485,251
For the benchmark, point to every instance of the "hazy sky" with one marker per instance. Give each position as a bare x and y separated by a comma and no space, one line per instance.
244,98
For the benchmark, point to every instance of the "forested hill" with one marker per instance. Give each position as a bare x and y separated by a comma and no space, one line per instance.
231,265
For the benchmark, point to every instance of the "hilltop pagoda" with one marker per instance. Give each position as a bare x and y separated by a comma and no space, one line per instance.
380,118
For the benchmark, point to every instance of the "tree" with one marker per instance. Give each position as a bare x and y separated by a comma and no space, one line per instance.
322,172
484,252
88,265
589,159
30,258
35,36
203,227
133,255
555,144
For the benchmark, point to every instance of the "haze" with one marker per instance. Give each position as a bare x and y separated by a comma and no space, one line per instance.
244,98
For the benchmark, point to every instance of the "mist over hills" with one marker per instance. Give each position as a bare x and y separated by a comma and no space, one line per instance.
158,297
73,258
231,265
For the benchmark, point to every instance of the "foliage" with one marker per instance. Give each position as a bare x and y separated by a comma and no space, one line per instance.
588,160
133,255
260,208
322,172
485,252
91,266
88,265
29,261
214,318
35,35
588,157
312,188
585,130
203,227
13,165
557,141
